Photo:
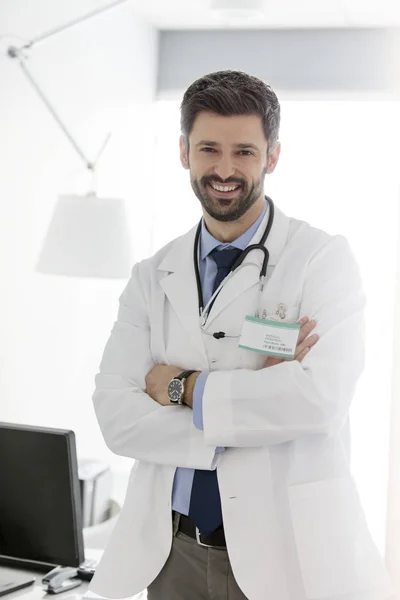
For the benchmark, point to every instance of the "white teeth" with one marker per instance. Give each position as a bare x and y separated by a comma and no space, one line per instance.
221,188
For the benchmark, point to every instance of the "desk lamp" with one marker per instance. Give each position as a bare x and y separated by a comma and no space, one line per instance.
88,236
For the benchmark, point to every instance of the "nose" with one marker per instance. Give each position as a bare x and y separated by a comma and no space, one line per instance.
224,167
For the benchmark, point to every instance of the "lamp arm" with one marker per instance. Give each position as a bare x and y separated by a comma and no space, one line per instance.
52,32
15,53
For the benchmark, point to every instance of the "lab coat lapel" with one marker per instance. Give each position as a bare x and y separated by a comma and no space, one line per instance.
248,276
180,287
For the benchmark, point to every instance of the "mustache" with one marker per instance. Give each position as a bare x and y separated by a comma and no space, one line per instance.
223,181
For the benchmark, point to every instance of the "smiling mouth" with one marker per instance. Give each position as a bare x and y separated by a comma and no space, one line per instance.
225,191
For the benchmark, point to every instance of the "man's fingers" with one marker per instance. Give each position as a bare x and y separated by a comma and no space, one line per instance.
306,345
305,329
303,321
302,355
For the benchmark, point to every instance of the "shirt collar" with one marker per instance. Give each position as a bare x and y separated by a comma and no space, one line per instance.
208,242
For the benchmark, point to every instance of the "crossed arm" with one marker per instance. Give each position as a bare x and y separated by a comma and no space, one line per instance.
254,408
159,376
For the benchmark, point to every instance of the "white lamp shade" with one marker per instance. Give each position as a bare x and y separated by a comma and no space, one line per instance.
87,237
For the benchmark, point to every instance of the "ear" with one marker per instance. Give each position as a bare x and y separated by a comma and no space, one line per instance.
273,158
183,153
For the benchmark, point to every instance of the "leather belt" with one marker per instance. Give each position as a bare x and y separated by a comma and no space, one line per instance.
216,539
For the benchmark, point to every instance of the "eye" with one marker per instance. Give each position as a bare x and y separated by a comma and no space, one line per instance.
246,152
207,149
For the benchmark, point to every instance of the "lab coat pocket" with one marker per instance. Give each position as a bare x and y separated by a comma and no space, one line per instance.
335,550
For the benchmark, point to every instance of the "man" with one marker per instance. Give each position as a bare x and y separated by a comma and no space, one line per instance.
242,489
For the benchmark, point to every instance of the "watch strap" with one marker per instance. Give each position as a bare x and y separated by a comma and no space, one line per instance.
184,374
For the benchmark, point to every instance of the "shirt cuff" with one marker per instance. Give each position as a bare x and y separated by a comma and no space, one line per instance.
198,404
198,392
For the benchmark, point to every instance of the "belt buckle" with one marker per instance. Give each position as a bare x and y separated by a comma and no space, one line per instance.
198,540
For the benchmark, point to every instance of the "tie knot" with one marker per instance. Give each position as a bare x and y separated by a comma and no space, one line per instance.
226,258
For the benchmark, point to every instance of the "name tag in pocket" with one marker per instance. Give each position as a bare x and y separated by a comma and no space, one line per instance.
269,337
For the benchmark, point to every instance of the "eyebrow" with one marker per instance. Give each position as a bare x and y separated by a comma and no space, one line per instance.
242,146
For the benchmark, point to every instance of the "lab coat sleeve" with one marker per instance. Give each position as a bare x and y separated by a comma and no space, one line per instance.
132,423
245,408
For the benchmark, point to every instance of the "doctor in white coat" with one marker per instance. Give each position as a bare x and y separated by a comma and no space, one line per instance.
241,486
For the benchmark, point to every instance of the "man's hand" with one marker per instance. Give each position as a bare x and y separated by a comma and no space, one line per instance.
303,345
157,381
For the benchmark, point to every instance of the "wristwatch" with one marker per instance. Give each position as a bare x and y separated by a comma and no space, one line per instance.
176,387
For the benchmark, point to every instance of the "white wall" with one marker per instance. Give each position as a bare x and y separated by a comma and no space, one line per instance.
101,77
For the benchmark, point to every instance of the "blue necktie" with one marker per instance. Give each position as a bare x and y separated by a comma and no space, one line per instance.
205,502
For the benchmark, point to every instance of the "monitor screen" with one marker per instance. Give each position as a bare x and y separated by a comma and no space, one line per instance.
40,506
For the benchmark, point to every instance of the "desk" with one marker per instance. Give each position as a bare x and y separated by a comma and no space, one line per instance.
95,540
35,591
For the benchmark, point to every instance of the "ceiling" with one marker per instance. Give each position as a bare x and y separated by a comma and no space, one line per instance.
28,18
196,14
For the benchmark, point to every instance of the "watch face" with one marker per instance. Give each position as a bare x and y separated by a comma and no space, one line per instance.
175,390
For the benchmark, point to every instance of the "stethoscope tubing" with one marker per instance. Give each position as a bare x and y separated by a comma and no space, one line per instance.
259,246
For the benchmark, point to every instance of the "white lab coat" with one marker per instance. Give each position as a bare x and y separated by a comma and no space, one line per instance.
294,526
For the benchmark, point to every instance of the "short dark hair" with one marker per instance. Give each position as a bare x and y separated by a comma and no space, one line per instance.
231,93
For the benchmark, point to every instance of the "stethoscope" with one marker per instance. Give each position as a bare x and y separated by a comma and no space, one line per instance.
204,311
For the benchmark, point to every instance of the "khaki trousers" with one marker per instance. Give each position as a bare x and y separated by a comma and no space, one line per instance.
194,572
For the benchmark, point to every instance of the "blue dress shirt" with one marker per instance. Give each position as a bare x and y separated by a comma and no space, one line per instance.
183,481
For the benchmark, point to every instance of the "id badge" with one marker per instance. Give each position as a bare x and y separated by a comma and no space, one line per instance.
269,337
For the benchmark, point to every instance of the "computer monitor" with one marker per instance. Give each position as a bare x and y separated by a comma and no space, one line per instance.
40,505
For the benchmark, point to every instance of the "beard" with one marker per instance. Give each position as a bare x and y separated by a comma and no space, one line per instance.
226,210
